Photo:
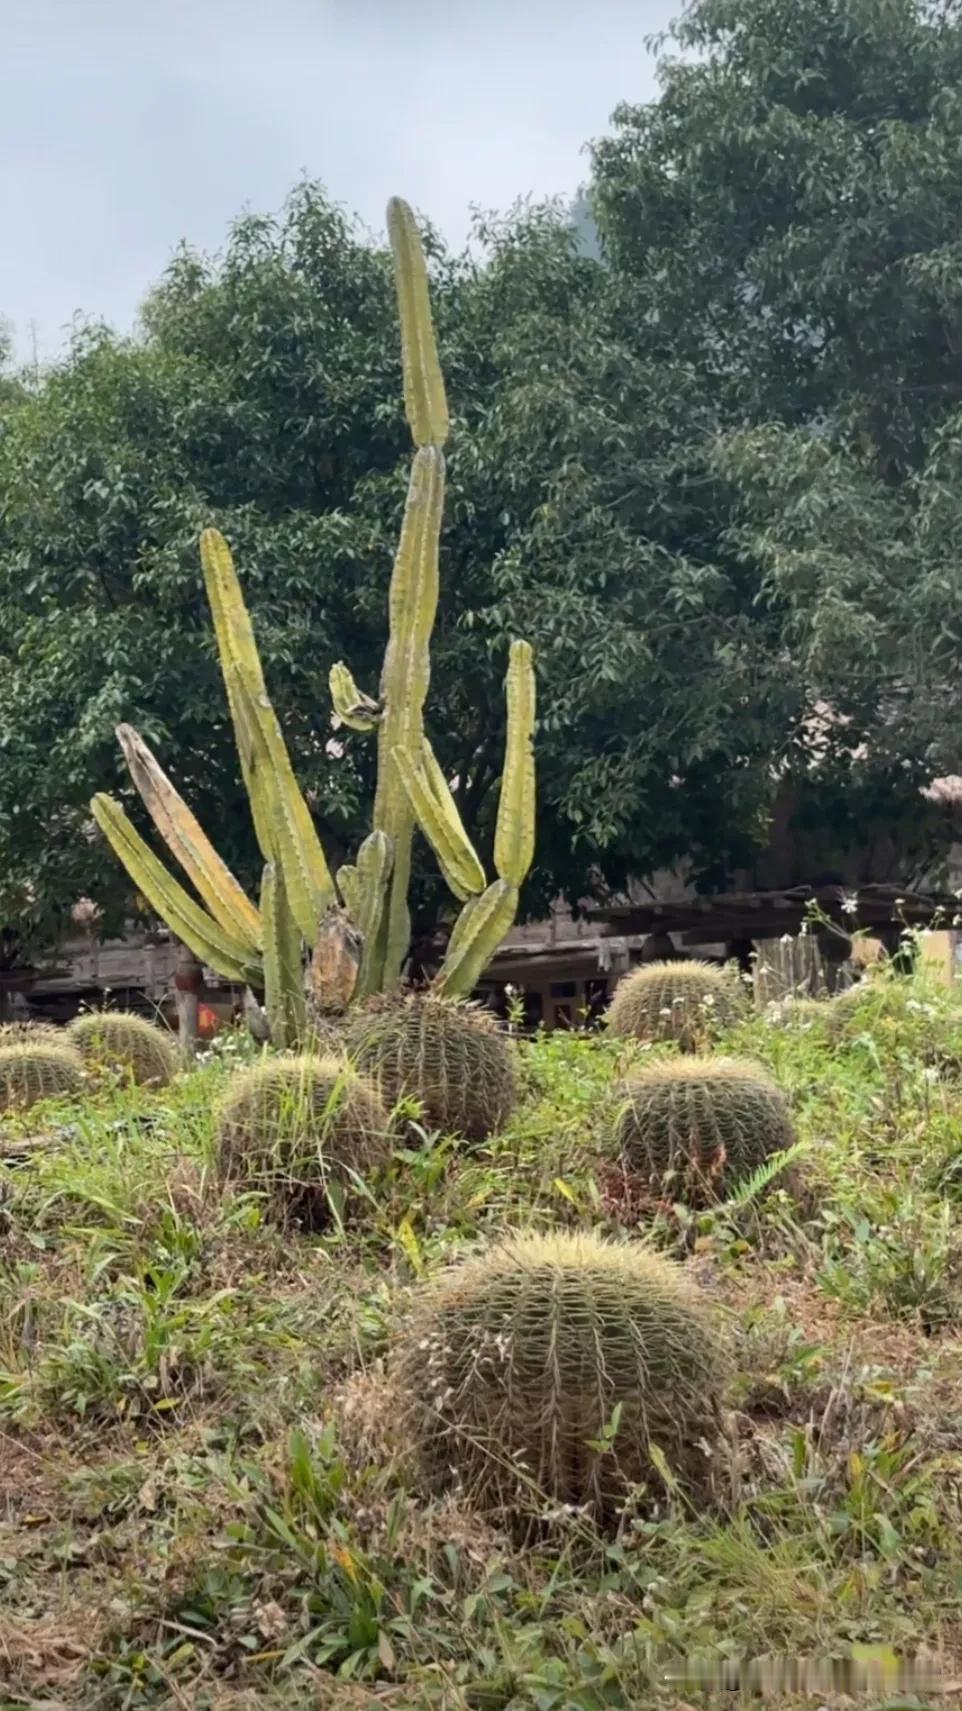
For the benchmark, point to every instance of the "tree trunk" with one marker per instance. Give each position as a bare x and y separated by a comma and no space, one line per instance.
188,979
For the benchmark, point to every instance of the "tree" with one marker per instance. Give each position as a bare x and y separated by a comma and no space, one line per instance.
783,220
263,396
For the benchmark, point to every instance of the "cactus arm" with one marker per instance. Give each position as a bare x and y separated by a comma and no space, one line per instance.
349,887
219,579
474,943
283,973
185,918
404,684
350,704
282,819
514,832
375,859
186,839
424,397
440,822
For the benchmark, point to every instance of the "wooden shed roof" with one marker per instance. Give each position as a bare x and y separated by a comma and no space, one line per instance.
768,914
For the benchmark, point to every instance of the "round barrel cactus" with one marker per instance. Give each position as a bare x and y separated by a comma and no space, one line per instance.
547,1367
452,1056
688,1002
294,1128
691,1127
799,1012
115,1039
45,1070
853,1010
31,1034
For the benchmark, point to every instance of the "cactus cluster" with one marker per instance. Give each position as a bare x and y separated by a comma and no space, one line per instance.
687,1002
119,1041
451,1056
297,1129
44,1070
690,1128
355,925
516,1363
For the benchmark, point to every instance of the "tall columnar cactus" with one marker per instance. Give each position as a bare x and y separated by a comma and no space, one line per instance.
356,925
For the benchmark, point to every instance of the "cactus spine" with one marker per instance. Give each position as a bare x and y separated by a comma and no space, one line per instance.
358,950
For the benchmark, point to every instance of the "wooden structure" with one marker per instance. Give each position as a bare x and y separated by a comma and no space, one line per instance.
763,930
882,910
562,970
133,973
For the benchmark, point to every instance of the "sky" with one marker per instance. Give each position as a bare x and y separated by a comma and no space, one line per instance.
128,125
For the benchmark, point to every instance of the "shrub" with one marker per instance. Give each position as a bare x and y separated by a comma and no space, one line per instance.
552,1365
451,1056
296,1129
688,1002
692,1127
43,1071
117,1040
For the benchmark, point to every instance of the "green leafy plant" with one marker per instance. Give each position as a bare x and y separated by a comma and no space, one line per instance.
300,1131
691,1128
560,1367
43,1071
356,923
687,1002
114,1039
449,1055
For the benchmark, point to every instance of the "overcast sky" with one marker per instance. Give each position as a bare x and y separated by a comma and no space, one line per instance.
126,125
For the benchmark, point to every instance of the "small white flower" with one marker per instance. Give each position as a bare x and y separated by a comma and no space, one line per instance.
849,905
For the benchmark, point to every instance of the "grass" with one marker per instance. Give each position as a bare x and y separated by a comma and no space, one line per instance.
200,1505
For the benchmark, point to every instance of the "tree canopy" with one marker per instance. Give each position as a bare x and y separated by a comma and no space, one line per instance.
784,220
711,473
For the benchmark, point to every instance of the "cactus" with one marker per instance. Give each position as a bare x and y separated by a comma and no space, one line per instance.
30,1072
515,1366
197,929
356,930
211,878
116,1039
31,1033
283,976
299,1131
451,1056
688,1002
690,1128
799,1012
850,1011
